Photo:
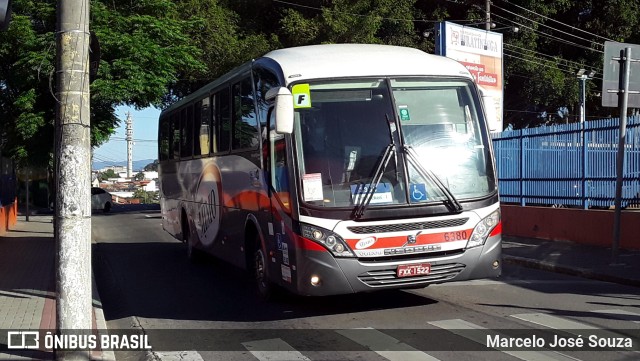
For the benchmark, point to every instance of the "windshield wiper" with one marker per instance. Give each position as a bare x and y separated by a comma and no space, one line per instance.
451,202
366,197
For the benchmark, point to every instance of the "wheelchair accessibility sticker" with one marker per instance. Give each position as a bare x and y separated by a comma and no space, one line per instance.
418,192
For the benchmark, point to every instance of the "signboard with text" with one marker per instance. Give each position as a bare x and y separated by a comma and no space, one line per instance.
480,51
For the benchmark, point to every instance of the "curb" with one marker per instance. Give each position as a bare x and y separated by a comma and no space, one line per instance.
101,322
572,271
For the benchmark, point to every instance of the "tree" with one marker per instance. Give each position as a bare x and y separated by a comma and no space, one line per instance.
145,48
109,173
152,167
139,176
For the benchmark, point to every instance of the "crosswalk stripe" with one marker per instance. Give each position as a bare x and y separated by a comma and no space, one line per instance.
554,322
617,312
391,348
457,325
559,323
175,356
279,350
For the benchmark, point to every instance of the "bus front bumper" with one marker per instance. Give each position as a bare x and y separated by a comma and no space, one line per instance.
352,275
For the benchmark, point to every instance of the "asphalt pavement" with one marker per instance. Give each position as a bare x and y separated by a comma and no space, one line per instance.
27,275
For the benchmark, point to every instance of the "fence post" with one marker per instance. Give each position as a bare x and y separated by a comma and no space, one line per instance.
585,151
522,160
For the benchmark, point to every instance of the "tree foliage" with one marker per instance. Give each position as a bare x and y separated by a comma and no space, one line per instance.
144,48
157,51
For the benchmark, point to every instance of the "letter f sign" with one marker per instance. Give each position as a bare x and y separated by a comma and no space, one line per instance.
301,96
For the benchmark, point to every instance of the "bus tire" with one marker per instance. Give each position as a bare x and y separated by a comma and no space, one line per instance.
264,287
193,254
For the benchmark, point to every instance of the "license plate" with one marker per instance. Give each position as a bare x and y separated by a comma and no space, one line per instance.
410,270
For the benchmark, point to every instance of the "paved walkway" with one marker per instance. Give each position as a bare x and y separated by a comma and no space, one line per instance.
27,276
27,286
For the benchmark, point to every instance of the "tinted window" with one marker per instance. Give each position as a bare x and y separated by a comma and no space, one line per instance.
175,135
223,119
264,81
186,147
245,122
164,138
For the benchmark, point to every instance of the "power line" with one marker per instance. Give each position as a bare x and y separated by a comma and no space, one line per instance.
550,36
556,21
547,26
547,55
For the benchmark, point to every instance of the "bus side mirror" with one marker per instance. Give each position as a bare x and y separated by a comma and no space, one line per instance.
283,109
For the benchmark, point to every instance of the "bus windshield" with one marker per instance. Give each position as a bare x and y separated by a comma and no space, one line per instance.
344,134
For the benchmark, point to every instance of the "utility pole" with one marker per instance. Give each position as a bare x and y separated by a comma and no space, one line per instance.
129,133
73,151
487,25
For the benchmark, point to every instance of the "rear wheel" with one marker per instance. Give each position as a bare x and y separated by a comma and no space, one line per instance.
107,207
193,253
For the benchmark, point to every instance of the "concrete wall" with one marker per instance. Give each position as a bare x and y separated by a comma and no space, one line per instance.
593,227
8,216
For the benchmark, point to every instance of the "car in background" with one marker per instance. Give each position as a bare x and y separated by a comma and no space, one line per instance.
101,199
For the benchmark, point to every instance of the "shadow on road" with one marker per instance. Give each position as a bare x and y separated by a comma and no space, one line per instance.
155,280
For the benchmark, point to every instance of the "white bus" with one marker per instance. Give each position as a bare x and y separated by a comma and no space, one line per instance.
334,169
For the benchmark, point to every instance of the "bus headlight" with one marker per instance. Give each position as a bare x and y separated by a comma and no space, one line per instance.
334,243
483,229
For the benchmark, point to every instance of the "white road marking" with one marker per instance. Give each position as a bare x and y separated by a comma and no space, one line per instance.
555,322
176,356
559,323
385,345
457,325
279,350
617,312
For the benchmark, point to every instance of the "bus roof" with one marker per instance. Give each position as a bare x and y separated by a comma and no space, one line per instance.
342,60
353,60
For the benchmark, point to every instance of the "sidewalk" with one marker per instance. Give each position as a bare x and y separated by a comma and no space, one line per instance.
574,259
27,286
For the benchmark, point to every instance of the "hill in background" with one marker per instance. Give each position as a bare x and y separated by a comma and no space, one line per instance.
138,165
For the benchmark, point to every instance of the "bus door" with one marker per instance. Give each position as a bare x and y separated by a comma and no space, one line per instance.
279,166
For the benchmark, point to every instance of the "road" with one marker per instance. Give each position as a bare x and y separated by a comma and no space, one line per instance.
147,284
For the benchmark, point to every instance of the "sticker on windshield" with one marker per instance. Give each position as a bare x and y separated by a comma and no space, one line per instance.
404,112
381,195
418,192
312,187
301,96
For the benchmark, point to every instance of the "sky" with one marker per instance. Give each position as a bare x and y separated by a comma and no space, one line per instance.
145,136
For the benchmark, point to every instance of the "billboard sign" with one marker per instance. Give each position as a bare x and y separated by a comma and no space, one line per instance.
480,51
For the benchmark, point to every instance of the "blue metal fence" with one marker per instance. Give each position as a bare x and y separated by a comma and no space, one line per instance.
569,164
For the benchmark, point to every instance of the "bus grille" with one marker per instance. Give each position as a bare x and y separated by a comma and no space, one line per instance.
387,277
400,227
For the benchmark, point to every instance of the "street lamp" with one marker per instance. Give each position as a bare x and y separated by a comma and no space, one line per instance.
582,77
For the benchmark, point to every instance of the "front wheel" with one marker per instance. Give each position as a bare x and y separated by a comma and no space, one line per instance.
265,288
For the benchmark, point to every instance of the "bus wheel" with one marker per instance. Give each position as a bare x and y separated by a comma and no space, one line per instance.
264,287
192,252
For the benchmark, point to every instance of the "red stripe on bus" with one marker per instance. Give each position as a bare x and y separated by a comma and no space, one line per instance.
496,231
422,239
304,243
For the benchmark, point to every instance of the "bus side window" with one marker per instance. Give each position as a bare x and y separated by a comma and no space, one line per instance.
186,133
264,81
223,119
165,138
175,135
245,123
201,127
